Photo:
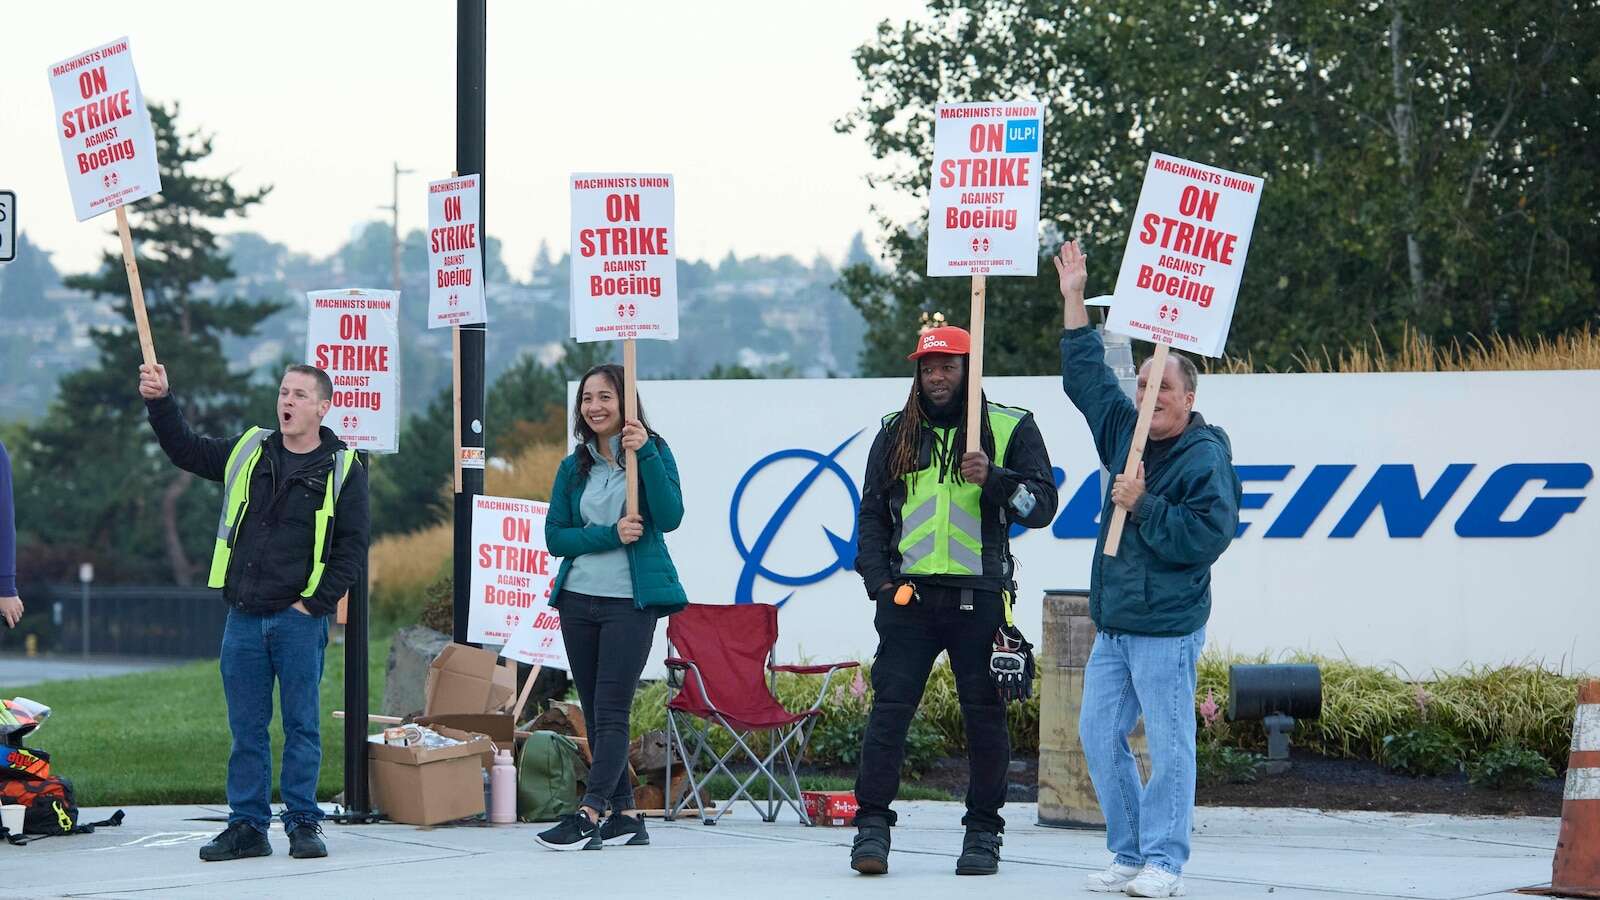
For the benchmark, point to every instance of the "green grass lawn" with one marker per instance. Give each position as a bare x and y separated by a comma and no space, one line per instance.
162,737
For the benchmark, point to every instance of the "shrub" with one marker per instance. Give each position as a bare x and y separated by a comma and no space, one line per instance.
1507,766
1215,761
1364,705
936,731
1428,750
1220,764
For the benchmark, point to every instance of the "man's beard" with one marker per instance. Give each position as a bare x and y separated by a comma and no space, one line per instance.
941,411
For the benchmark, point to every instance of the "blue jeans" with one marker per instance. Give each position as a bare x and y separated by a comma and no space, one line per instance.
286,647
1128,674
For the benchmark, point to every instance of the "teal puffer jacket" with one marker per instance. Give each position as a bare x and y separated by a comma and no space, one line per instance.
655,579
1159,583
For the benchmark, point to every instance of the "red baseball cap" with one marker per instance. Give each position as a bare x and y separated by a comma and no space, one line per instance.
949,339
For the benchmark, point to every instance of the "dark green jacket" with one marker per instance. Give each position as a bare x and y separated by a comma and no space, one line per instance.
1159,583
655,579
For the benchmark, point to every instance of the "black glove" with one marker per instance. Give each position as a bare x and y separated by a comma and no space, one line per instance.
1011,664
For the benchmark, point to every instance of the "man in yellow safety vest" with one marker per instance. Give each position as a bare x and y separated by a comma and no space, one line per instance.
289,543
934,553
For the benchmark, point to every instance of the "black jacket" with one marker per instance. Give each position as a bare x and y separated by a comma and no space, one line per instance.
271,560
1027,463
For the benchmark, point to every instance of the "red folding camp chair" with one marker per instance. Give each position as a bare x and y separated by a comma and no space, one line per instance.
722,656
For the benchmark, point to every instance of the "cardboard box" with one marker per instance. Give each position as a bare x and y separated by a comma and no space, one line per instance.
467,679
497,727
830,807
418,786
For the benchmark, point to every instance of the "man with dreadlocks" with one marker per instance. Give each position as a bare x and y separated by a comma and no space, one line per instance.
935,554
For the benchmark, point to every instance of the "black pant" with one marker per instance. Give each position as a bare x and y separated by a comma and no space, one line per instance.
608,640
909,640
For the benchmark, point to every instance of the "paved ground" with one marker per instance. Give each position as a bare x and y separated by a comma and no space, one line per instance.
1281,854
21,670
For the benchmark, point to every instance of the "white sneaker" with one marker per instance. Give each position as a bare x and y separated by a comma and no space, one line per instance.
1111,880
1154,882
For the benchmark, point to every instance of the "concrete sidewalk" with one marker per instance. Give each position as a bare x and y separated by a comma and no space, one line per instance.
1282,854
18,671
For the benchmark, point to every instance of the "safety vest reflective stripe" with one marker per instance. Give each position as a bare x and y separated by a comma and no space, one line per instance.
330,498
941,525
235,498
236,501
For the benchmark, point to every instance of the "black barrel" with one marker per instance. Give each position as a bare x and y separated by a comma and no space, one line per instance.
1255,692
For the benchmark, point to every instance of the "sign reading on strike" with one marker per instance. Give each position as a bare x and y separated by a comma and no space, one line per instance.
511,575
624,258
354,336
107,143
983,206
1180,274
455,257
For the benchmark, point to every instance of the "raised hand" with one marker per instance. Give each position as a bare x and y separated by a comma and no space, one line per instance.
1072,266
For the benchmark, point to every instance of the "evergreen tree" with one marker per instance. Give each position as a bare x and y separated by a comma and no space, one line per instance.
91,478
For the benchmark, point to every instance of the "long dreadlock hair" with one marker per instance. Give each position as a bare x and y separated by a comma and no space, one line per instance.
905,454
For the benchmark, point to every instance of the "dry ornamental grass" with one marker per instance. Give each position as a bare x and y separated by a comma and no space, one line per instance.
1416,352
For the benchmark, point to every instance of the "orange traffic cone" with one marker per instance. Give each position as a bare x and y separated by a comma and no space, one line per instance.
1577,865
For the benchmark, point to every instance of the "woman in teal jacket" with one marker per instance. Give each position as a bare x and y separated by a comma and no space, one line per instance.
616,579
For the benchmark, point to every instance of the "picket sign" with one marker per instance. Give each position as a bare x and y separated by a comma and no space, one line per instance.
1180,276
624,282
109,149
983,210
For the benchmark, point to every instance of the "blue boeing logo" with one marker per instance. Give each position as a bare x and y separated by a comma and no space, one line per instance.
1501,507
754,555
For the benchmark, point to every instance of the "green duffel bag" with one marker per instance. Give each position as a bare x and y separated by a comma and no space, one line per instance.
549,773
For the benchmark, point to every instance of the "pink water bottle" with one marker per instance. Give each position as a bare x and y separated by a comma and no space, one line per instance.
503,789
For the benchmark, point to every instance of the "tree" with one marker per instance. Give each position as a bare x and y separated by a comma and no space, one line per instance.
24,281
23,285
858,255
91,474
524,406
1428,164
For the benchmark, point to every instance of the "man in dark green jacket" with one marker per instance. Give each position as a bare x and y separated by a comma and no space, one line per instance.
1150,602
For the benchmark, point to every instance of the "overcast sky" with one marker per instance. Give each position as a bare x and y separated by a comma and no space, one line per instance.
319,99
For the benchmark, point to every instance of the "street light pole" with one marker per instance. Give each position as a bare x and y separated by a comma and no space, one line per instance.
471,45
394,233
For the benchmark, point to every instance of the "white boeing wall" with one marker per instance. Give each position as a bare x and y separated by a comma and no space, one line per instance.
1426,520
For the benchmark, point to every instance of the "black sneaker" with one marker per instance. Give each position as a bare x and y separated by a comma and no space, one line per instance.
980,854
869,855
624,830
240,840
575,832
305,841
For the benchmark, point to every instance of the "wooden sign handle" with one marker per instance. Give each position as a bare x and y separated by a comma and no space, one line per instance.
1141,432
630,411
975,369
522,699
129,262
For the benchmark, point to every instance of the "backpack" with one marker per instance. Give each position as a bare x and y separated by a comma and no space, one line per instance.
548,774
52,806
